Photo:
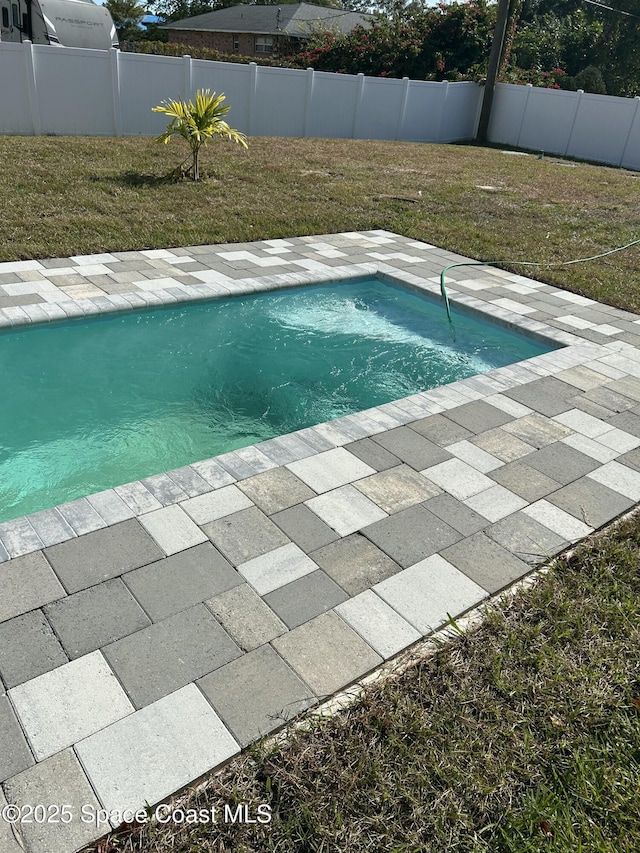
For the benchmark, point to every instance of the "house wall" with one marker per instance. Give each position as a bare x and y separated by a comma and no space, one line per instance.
224,42
60,90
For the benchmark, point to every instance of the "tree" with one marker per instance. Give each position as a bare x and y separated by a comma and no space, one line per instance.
177,10
442,42
127,15
573,36
197,122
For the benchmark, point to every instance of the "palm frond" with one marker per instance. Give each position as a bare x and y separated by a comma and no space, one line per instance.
198,121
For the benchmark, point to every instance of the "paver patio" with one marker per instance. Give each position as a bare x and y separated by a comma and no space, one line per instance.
149,632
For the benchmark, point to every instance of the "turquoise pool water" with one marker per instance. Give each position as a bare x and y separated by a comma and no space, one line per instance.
88,405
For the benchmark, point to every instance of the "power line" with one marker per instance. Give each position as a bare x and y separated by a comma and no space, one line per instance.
611,9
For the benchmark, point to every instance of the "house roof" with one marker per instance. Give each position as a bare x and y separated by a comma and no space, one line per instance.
292,19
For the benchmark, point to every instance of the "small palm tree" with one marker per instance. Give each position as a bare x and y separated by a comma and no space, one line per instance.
197,122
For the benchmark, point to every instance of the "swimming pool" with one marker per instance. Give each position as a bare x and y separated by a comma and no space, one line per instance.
97,403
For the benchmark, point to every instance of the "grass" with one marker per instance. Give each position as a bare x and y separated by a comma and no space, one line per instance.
66,196
521,736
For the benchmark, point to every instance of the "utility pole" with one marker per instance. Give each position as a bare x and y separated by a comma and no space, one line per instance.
492,71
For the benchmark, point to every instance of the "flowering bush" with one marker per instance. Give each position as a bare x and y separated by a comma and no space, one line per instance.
554,79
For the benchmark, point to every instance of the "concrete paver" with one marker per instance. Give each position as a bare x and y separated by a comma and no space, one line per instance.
62,706
8,833
355,563
526,538
475,456
213,505
276,490
536,430
594,449
57,780
345,510
28,648
561,462
495,503
486,562
303,599
619,478
378,624
549,396
245,535
397,488
181,581
430,591
516,463
590,501
409,535
27,582
501,445
172,529
15,755
525,481
458,478
271,694
456,514
276,568
146,662
441,430
155,751
479,416
630,459
103,554
411,447
304,527
246,618
556,519
326,653
619,440
330,470
373,454
94,617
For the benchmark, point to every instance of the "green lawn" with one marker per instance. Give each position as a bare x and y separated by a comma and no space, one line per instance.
63,196
520,736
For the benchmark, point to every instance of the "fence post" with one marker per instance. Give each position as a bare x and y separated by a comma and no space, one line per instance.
633,121
307,101
115,91
579,93
524,112
356,108
253,87
403,107
33,88
186,60
443,107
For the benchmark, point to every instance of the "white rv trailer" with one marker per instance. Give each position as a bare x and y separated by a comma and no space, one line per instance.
70,23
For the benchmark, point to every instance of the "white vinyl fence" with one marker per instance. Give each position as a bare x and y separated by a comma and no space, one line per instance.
574,124
59,90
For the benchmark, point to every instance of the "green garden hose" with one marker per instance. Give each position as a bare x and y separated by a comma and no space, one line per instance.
443,289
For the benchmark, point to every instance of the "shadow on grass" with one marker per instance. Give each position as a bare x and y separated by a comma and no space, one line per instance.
137,179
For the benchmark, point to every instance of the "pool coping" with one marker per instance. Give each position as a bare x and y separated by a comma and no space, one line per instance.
600,349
